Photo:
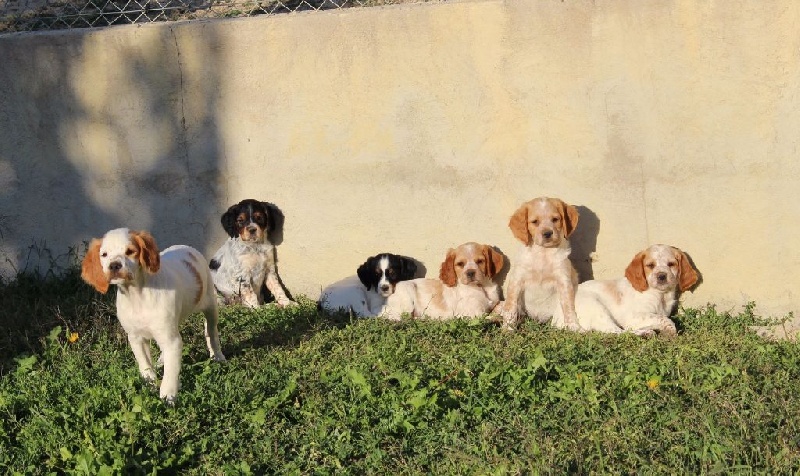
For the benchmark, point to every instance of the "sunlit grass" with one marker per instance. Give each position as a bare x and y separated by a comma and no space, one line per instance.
304,392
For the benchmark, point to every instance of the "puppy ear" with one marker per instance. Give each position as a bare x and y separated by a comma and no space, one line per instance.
149,258
228,221
275,216
687,275
494,261
408,269
519,224
365,274
92,269
570,218
635,273
447,273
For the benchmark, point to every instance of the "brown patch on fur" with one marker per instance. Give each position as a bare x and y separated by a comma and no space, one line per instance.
92,270
197,278
149,257
635,273
687,275
447,272
494,261
569,217
519,224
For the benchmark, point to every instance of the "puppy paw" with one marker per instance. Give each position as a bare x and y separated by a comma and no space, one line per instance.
287,303
218,357
170,400
573,326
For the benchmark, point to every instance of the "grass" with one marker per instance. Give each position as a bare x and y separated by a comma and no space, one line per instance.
304,392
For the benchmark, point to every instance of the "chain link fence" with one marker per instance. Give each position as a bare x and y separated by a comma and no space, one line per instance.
30,15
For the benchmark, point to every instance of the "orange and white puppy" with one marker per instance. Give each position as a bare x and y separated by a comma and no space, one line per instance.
464,289
542,278
642,301
155,292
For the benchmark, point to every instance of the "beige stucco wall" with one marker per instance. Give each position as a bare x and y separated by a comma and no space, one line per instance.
414,128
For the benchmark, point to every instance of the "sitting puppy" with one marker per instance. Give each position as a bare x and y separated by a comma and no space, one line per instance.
154,294
365,294
642,301
464,288
542,278
247,261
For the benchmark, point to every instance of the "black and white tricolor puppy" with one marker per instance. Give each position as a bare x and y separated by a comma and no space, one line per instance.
247,261
365,293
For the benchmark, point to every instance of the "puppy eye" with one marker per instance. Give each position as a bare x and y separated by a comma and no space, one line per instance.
555,219
390,272
672,264
129,252
535,222
480,261
460,264
104,254
650,265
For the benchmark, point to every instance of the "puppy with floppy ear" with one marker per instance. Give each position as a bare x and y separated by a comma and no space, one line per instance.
465,287
642,301
365,294
247,262
155,293
542,278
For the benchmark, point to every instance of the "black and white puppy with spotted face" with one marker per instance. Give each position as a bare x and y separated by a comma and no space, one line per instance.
365,294
247,261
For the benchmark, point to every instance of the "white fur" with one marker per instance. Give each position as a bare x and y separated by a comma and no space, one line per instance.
152,306
350,294
244,267
614,306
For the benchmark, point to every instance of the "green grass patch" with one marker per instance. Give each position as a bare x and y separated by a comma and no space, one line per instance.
304,392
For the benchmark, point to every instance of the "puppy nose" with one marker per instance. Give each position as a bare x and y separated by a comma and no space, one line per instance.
661,277
471,273
384,287
252,228
547,234
115,266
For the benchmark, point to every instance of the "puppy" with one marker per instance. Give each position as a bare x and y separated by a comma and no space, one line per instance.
365,294
542,278
464,288
247,261
154,294
642,301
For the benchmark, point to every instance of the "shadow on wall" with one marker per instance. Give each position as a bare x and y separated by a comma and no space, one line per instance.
584,242
68,133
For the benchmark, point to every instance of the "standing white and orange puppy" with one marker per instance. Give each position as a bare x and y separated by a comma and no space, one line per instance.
155,292
542,277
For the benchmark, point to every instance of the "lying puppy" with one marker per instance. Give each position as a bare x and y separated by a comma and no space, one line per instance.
154,294
247,261
365,294
642,301
464,288
542,278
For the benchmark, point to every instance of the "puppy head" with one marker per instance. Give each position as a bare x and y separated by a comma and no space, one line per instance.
118,257
250,220
661,267
384,271
470,264
544,222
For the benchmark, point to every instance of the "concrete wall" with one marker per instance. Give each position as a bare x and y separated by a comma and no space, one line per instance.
414,128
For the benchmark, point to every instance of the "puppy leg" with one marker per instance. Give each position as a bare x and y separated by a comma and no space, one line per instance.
248,294
141,351
565,287
171,348
510,309
274,286
649,324
212,334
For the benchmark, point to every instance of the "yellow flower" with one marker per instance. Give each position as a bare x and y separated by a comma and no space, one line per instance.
73,337
652,383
